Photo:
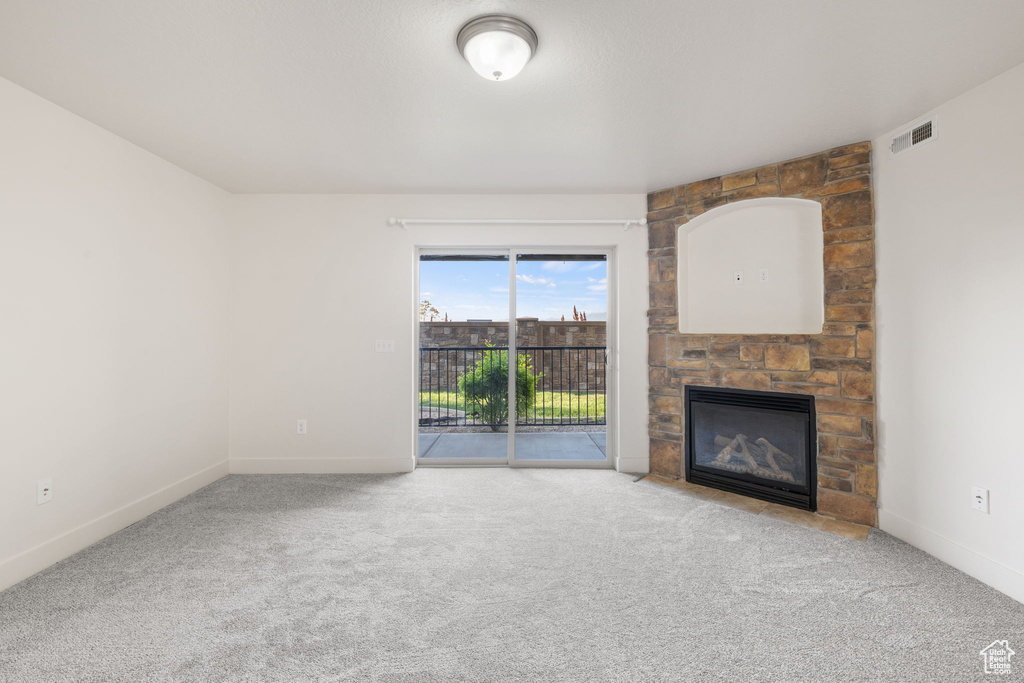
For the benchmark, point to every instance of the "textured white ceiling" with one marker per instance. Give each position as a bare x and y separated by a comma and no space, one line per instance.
623,95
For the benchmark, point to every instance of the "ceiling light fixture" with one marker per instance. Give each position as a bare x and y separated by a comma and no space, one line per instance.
497,46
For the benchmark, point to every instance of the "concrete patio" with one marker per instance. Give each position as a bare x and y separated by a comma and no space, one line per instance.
550,446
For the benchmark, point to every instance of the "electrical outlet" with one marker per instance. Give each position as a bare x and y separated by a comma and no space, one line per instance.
300,427
737,278
762,275
979,499
44,491
384,346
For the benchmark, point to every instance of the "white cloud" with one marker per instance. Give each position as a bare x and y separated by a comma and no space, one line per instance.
559,266
531,280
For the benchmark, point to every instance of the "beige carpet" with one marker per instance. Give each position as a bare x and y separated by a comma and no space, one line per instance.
492,575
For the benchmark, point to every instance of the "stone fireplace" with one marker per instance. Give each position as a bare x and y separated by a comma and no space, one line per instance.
833,368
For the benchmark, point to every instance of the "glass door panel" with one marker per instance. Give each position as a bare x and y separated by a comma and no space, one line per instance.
463,415
561,337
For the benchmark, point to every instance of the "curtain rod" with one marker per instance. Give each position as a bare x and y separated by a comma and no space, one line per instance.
404,223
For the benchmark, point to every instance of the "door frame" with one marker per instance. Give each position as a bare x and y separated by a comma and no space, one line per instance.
611,356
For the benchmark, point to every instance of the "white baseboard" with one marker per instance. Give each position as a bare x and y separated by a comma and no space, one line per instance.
984,569
633,465
321,465
34,560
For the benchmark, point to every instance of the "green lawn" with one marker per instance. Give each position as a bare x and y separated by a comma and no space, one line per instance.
550,405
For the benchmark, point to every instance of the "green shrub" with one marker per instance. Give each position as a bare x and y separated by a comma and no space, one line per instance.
486,386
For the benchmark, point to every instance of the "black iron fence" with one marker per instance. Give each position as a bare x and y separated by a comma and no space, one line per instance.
555,385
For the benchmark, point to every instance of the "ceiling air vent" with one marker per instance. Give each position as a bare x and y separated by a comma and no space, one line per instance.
916,136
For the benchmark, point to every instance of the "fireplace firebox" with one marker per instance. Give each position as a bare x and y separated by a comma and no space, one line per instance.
756,443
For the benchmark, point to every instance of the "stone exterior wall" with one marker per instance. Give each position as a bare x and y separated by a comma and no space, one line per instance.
529,332
836,366
562,371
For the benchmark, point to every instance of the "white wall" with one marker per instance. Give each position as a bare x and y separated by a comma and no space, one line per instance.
317,278
113,332
781,235
950,312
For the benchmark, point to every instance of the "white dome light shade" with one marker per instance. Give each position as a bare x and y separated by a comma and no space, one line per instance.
497,46
497,55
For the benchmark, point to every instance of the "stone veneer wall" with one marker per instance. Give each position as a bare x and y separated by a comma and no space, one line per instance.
561,371
836,366
529,332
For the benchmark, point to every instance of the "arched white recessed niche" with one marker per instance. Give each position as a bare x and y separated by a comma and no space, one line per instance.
752,267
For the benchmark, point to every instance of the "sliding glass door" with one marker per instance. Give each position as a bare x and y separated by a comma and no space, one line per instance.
561,342
532,393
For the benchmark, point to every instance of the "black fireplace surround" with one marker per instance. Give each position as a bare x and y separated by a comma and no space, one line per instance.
756,443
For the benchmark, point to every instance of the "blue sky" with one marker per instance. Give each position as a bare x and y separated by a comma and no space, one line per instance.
546,289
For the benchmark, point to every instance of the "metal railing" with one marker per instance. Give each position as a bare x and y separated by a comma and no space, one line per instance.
468,386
